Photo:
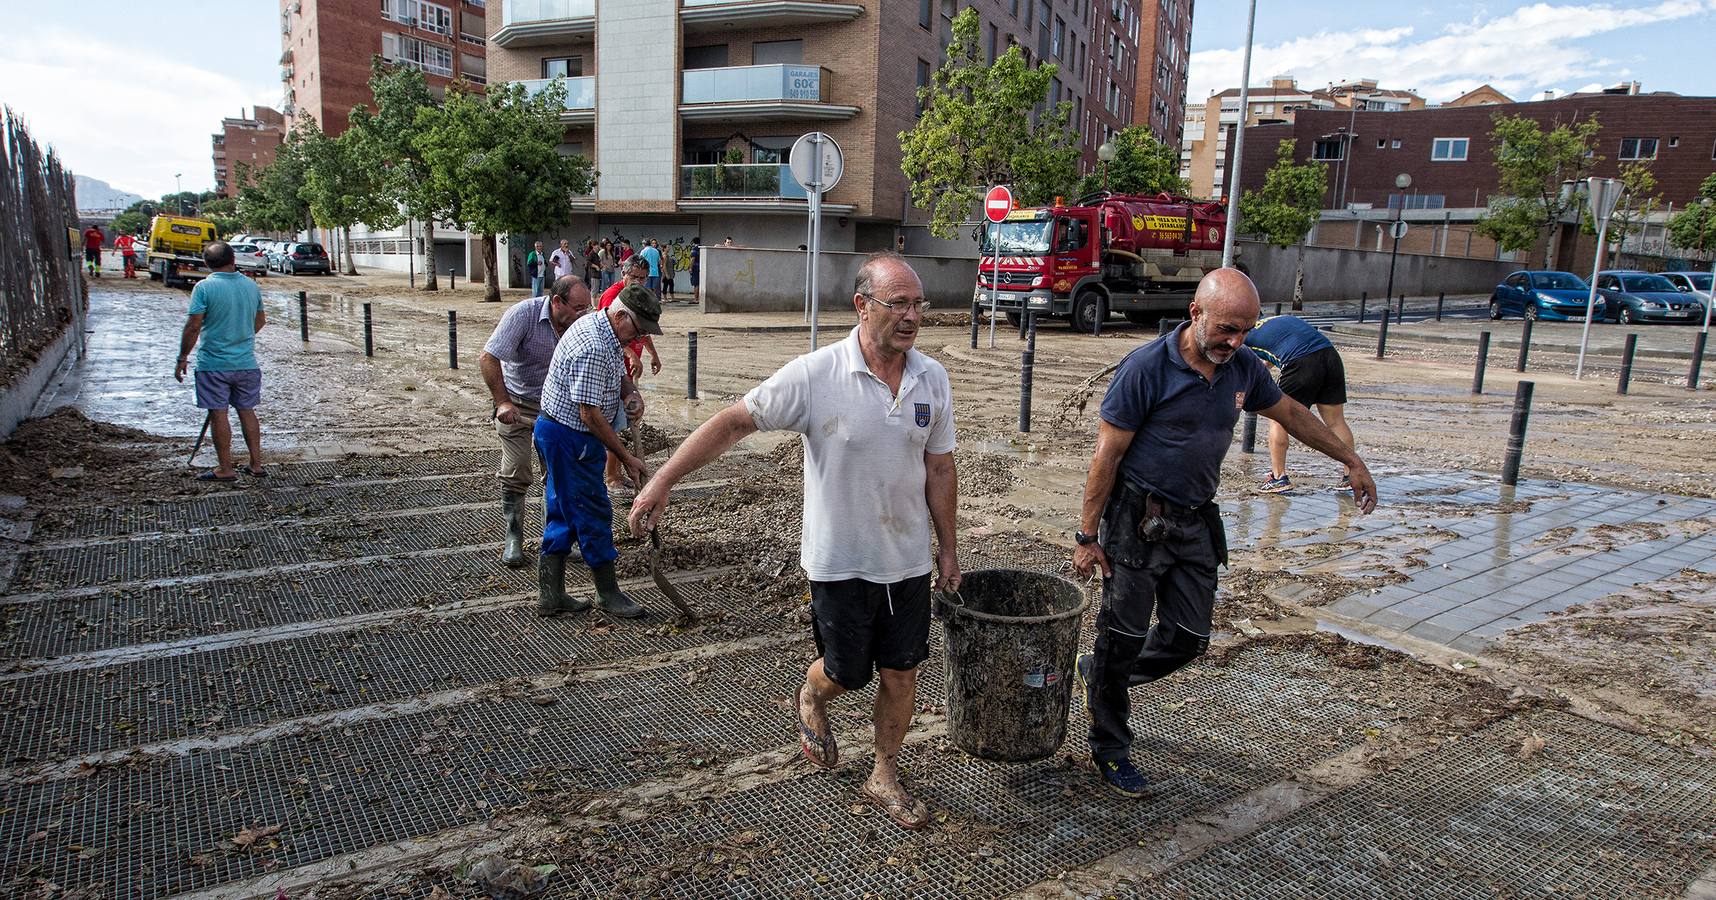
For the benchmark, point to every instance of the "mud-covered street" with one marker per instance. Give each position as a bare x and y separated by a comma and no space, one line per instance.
324,683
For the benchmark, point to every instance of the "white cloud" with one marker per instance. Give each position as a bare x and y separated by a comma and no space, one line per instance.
128,114
1521,53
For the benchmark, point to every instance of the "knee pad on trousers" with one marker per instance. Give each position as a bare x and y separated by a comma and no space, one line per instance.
1184,646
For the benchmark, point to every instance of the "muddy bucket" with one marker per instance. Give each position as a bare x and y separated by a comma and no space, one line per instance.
1012,640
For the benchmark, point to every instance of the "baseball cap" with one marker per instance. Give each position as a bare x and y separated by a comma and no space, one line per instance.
643,306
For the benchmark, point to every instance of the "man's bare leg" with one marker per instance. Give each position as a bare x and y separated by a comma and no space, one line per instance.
1333,415
1277,450
252,437
220,432
813,697
896,697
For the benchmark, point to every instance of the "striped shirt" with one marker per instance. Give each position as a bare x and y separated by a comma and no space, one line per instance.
524,341
587,368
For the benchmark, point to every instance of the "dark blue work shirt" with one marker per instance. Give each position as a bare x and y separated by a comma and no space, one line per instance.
1283,339
1183,424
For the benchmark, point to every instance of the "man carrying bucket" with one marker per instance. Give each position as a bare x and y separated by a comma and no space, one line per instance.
877,423
1166,422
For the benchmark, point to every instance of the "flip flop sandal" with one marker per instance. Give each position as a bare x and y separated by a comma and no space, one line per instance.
822,751
211,476
911,815
261,474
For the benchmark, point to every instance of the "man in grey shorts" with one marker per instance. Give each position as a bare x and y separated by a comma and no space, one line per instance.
514,363
226,313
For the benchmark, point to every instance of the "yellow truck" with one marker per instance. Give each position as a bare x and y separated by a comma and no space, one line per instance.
176,249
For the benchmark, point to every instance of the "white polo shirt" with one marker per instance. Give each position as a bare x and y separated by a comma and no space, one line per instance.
865,514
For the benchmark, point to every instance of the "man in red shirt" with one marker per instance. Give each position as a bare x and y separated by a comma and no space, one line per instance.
127,247
92,241
636,271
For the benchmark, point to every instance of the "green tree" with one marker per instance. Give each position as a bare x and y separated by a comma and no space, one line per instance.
404,107
498,155
135,218
272,202
1288,206
343,184
1639,200
1694,228
1531,165
1141,165
984,124
223,212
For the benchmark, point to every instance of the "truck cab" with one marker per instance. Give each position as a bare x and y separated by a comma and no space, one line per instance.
176,248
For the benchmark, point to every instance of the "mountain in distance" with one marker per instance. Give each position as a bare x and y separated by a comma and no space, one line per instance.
95,194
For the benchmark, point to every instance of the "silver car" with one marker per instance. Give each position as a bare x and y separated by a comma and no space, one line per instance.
251,259
1695,283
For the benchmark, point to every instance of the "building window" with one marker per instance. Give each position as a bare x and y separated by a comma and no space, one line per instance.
706,56
925,10
923,82
1638,148
1448,149
1059,37
473,69
1329,149
777,52
419,14
1673,142
1381,143
563,67
1417,201
1394,144
994,39
407,51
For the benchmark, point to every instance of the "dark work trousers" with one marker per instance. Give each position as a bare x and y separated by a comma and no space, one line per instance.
1175,578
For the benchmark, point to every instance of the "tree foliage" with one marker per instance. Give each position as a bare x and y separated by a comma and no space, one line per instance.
1531,165
402,99
1639,200
271,201
1141,165
1291,200
1694,228
497,156
343,183
978,129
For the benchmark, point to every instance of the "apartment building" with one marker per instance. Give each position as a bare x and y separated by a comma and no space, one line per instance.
326,47
1164,53
1203,147
689,108
245,145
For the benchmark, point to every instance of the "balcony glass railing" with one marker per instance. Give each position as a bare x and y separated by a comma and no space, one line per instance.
580,92
770,82
516,12
758,181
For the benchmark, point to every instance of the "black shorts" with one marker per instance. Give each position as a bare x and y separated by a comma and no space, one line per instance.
861,626
93,256
1316,378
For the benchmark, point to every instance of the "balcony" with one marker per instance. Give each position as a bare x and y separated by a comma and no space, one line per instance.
580,105
532,23
703,16
769,93
754,187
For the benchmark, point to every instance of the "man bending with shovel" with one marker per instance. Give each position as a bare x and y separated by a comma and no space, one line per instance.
877,423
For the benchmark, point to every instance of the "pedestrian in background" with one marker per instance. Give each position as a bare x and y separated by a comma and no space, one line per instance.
127,247
226,313
667,266
586,398
696,265
1311,373
564,264
534,266
92,239
876,419
514,363
651,254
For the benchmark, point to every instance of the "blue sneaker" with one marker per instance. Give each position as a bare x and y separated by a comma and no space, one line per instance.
1275,485
1122,778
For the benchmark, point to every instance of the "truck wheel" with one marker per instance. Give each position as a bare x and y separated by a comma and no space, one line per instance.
1013,318
1083,317
154,275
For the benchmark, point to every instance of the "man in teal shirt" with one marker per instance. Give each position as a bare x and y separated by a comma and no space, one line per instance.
226,312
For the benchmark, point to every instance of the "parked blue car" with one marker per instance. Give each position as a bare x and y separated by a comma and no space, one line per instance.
1551,296
1638,297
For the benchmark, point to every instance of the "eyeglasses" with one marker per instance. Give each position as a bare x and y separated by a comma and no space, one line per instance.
899,306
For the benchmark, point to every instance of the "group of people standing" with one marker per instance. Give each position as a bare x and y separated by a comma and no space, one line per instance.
602,264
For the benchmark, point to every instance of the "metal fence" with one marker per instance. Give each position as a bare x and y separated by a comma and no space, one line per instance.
40,286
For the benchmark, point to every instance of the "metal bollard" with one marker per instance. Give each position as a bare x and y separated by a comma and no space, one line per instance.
452,281
1382,336
1031,331
1400,316
691,366
1363,296
303,317
1516,433
1023,314
1027,361
1483,359
1627,362
368,332
1697,360
1439,296
1278,309
1524,345
1248,438
975,312
452,339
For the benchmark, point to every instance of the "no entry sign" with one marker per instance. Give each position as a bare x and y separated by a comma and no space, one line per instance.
998,203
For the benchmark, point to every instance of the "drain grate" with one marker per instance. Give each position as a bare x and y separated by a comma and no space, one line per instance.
72,713
1599,812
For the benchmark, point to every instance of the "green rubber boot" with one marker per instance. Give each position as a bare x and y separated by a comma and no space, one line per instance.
512,506
613,601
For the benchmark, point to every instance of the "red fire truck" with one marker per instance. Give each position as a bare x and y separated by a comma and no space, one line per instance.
1139,256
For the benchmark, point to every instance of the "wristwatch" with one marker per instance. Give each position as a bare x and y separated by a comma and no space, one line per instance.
1083,538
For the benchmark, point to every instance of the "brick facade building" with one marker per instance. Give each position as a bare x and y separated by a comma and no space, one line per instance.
1164,53
245,146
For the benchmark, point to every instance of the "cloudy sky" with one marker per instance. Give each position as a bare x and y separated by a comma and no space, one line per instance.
126,103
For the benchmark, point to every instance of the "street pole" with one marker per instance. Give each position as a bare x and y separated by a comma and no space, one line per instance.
1603,194
815,232
1401,181
1232,184
995,285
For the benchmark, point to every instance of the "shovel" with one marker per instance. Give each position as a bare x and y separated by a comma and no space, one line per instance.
661,583
200,435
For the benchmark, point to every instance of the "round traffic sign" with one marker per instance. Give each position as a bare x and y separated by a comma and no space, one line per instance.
998,203
816,162
1397,230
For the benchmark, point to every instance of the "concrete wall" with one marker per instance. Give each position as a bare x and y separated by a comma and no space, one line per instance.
1341,273
742,279
19,398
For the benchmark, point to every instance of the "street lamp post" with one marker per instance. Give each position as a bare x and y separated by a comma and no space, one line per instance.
1106,153
178,193
1401,181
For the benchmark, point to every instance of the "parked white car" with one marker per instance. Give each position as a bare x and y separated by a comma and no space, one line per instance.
251,259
